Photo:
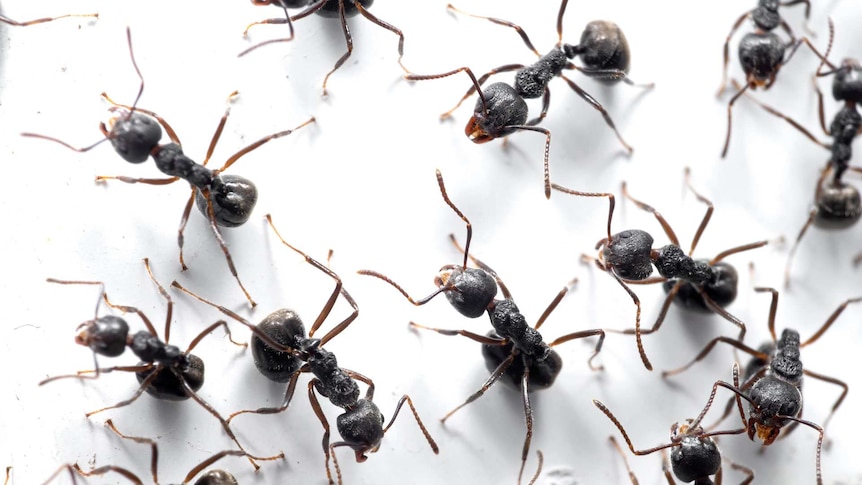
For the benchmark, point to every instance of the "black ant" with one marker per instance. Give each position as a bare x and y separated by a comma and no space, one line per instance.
16,23
695,455
226,200
333,9
212,477
696,284
837,205
512,348
282,352
165,372
762,53
501,109
772,383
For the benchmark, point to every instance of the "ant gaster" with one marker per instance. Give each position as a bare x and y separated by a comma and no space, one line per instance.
225,200
282,352
762,53
837,205
512,348
212,477
696,284
772,382
333,9
165,372
694,455
501,109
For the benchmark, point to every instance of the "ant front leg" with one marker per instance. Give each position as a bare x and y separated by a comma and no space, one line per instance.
495,376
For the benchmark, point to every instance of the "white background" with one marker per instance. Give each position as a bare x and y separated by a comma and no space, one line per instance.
361,181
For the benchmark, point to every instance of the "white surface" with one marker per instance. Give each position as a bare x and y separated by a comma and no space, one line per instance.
361,181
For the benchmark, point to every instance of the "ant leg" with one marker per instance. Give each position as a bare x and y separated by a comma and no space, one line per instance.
736,393
545,164
184,219
706,217
637,302
313,8
708,348
369,393
661,315
546,103
288,396
425,432
209,461
745,247
278,21
666,469
132,180
419,302
802,231
648,208
391,28
98,371
729,116
749,473
315,404
857,259
541,458
819,430
25,23
583,334
101,291
528,418
727,52
236,156
829,321
223,245
830,380
170,311
601,109
632,476
611,201
502,22
458,213
219,128
347,38
716,308
144,385
499,371
482,339
556,301
330,302
154,454
102,470
209,329
622,430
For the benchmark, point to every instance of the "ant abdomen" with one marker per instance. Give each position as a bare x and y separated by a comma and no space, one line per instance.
505,109
542,373
106,336
330,8
134,136
166,385
839,206
604,47
473,289
217,477
628,253
284,327
722,290
761,55
361,427
233,200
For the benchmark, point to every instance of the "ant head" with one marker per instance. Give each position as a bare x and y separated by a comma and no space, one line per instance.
847,83
105,336
168,383
361,428
765,15
330,8
695,458
838,206
771,399
761,56
233,199
604,47
284,327
469,290
216,477
134,135
499,107
628,254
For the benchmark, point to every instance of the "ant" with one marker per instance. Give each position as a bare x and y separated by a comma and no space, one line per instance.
165,372
212,477
333,9
16,23
762,52
282,352
695,455
225,200
772,383
706,286
837,205
512,348
501,109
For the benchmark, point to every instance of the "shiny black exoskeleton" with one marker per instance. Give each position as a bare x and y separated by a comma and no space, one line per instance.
501,109
282,352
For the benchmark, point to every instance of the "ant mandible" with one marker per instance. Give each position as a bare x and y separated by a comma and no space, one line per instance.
337,9
837,205
762,52
512,348
225,200
165,372
772,383
695,455
282,352
212,477
501,109
696,284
